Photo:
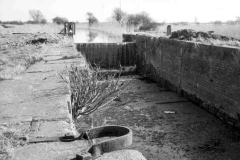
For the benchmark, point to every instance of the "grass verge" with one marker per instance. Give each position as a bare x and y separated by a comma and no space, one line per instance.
19,51
16,60
9,140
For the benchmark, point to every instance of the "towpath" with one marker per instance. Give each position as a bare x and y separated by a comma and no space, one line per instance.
34,104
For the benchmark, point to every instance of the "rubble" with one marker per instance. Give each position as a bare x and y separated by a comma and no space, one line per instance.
31,39
191,35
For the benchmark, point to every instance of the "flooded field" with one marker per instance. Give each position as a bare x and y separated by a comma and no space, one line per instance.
166,126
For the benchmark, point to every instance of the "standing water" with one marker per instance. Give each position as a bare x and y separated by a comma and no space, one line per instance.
93,36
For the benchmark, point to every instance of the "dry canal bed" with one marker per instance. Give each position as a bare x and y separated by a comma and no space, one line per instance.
166,126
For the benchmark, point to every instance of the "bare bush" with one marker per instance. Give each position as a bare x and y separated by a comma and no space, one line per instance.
230,22
60,20
148,26
218,23
143,20
36,15
237,20
43,21
91,89
119,15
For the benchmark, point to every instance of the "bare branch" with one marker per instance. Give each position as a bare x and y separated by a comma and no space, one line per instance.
91,89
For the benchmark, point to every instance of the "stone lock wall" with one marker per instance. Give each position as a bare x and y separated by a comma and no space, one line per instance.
206,74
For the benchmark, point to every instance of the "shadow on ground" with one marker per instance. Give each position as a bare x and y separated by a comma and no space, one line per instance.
166,126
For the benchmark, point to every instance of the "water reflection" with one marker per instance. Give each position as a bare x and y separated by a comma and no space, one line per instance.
92,36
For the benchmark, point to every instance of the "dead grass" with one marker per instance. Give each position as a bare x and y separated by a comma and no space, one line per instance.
9,140
226,30
75,55
32,28
15,60
18,52
220,43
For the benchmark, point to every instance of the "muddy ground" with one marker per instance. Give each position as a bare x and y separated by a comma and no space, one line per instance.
166,126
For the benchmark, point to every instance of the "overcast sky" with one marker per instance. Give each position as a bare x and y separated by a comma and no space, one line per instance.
159,10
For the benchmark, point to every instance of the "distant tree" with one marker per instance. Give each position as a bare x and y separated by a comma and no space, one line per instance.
59,20
91,19
143,20
144,17
13,22
237,20
183,23
196,21
230,22
148,26
132,19
119,15
175,23
32,22
43,21
218,23
140,18
36,15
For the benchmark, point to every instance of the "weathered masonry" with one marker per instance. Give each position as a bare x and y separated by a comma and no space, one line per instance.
206,74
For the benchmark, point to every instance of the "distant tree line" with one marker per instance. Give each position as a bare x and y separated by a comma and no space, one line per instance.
229,22
12,22
141,21
217,22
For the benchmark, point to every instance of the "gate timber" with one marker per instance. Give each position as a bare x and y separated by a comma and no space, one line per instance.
109,55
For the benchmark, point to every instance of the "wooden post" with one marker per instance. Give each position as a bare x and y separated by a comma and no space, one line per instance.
169,30
74,28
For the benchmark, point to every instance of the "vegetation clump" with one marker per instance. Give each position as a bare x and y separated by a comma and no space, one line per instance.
9,140
37,17
91,89
60,20
189,34
142,21
209,37
119,15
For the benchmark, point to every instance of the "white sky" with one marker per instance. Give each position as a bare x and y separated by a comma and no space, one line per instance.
159,10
